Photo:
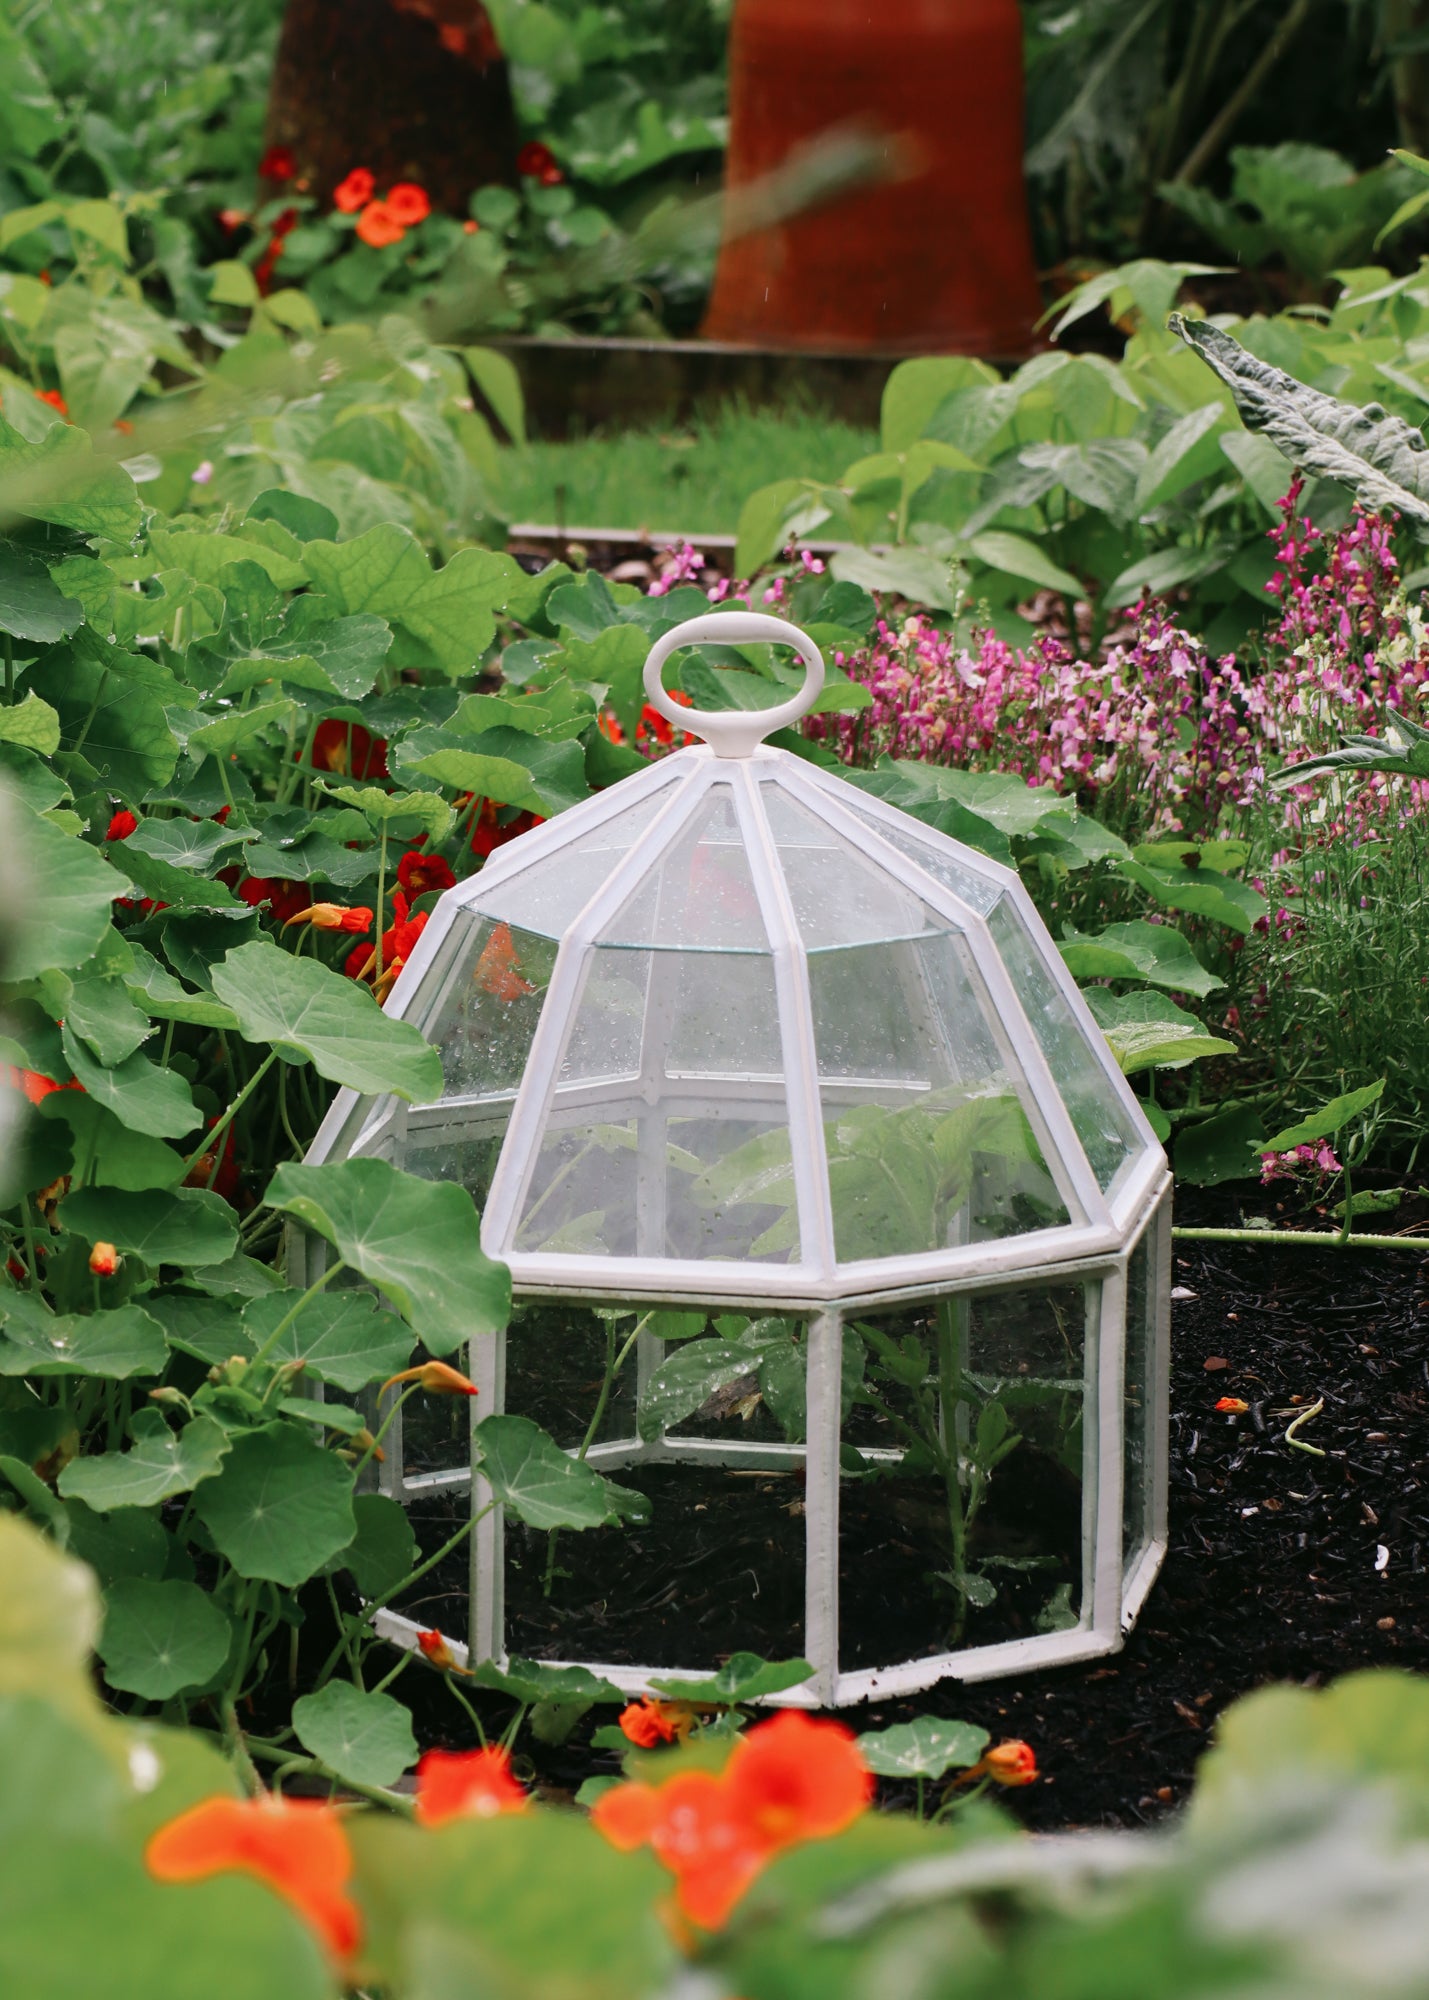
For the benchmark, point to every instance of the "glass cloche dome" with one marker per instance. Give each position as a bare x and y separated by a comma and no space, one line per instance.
799,1092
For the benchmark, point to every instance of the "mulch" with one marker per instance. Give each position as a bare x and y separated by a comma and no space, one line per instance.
1282,1565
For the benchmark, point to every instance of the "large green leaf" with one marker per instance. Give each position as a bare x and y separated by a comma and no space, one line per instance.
1379,457
1156,953
112,710
364,1738
59,479
923,1748
98,1007
532,1681
32,606
417,1241
112,1345
743,1677
1402,751
280,1506
69,890
140,1093
444,619
385,1549
304,1010
31,725
344,1338
160,1638
544,1486
1219,1148
688,1378
159,1463
106,1153
1149,1031
1202,892
187,1226
1328,1120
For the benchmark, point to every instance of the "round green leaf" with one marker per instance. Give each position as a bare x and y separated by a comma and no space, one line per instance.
385,1549
32,606
158,1464
188,1226
105,1153
417,1241
304,1009
68,893
160,1638
141,1095
32,724
342,1337
544,1486
280,1507
743,1677
924,1748
113,1345
365,1738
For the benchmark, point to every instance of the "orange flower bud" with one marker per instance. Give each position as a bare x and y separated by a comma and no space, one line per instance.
104,1260
436,1378
1232,1406
333,917
648,1722
435,1648
1011,1763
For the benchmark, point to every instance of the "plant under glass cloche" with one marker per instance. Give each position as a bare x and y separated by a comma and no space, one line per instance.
834,1232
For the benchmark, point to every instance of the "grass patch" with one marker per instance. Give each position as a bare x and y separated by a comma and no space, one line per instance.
694,476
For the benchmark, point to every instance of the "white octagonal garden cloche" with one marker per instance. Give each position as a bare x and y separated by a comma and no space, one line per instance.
833,1227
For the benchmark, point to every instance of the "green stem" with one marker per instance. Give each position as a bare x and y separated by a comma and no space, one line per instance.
93,711
1320,1238
385,1425
9,669
404,1660
214,1135
613,1364
950,1375
238,1750
376,1604
289,1762
474,1718
345,1635
381,898
287,1320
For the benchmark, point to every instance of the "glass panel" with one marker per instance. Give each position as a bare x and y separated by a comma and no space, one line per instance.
1099,1118
839,896
979,892
668,1132
1139,1398
719,1565
964,1526
549,895
699,894
928,1143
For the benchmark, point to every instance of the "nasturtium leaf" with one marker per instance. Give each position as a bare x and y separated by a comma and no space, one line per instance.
37,1501
385,1548
209,1329
106,1154
129,1543
433,813
140,1093
167,999
58,478
69,890
115,702
447,760
363,1738
188,1226
743,1677
530,1681
1219,1148
324,1416
240,1277
113,1344
280,1506
31,725
1155,953
183,843
1327,1121
417,1241
344,1338
444,618
100,1011
305,1010
924,1748
158,1464
32,606
544,1486
160,1638
223,735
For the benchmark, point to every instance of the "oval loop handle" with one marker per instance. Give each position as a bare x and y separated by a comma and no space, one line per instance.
735,732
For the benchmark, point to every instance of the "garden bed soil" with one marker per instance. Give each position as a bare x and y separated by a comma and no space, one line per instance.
1282,1566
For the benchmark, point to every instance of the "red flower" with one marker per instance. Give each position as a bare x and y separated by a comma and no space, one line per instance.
225,1180
538,163
122,825
347,749
496,968
55,400
488,832
408,204
104,1260
436,1378
467,1784
297,1846
790,1779
648,1722
286,223
277,164
379,227
418,872
334,917
355,192
35,1087
285,899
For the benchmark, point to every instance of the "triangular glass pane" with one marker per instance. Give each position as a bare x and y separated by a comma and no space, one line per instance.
699,893
840,897
978,891
548,895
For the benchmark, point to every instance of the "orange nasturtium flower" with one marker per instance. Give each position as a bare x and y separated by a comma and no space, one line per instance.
790,1779
378,227
436,1378
408,203
297,1846
496,968
467,1784
1232,1406
333,917
434,1647
104,1260
647,1722
1009,1763
55,400
355,192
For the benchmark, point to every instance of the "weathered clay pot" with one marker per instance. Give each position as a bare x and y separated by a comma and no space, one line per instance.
939,260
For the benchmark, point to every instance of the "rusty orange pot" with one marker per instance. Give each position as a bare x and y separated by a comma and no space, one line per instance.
939,260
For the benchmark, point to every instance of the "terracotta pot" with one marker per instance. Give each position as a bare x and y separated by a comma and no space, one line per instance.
938,261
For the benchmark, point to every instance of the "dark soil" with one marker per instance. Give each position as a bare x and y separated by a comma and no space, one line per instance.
1282,1565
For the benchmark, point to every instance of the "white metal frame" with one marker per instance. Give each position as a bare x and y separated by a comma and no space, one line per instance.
1093,1246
